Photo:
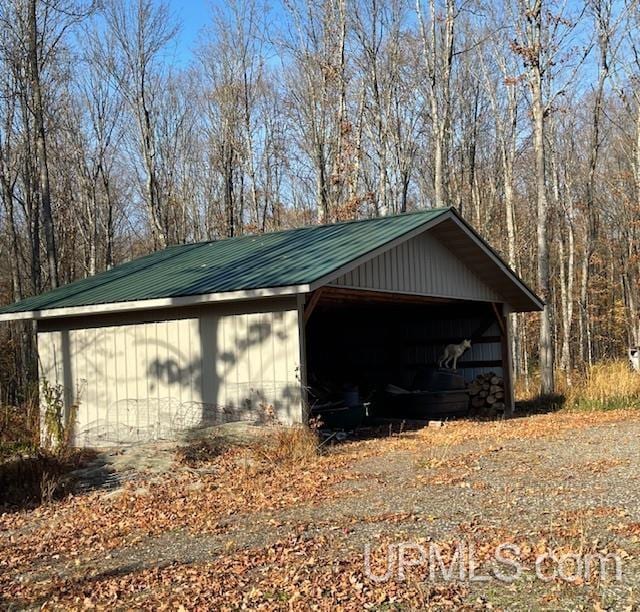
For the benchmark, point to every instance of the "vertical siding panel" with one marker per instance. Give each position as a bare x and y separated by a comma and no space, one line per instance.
249,360
436,270
165,358
46,365
408,266
140,396
191,355
291,342
74,347
294,372
242,377
93,414
44,359
271,348
160,365
102,376
243,362
404,265
257,367
95,410
280,343
112,379
239,365
82,416
227,366
148,332
157,358
129,391
417,265
194,362
429,267
121,374
214,366
103,414
412,265
254,358
266,356
179,340
58,369
386,278
444,272
225,348
420,252
47,354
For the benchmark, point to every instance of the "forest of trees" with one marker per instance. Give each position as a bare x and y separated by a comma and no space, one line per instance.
524,114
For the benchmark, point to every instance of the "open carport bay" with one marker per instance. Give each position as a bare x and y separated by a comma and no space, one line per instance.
382,349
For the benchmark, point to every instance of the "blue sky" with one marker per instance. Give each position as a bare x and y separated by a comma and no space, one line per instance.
193,15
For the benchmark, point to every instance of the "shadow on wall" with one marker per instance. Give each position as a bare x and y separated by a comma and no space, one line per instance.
214,375
175,418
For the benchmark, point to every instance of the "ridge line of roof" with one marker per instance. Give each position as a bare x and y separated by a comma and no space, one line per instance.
438,209
420,227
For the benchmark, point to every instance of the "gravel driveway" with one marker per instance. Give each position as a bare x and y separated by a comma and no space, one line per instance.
562,483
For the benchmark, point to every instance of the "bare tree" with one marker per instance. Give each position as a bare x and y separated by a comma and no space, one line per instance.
139,32
437,47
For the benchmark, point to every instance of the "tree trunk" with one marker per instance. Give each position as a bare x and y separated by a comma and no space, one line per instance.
547,384
41,146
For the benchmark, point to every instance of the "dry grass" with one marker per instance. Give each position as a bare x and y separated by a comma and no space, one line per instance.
288,445
19,429
604,386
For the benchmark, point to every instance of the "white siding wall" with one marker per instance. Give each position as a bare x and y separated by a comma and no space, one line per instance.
422,265
151,380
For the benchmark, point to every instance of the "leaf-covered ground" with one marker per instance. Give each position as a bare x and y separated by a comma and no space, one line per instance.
240,531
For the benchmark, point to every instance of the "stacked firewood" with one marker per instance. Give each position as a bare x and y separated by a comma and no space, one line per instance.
487,396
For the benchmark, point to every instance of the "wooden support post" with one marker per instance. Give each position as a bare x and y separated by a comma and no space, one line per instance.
499,317
311,304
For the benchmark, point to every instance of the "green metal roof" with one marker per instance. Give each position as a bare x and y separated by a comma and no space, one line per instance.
279,259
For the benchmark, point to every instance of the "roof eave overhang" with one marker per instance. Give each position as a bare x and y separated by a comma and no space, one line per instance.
176,302
532,302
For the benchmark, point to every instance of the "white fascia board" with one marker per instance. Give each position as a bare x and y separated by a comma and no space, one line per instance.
504,268
177,302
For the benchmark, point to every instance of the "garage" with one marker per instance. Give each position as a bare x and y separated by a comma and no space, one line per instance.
272,326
